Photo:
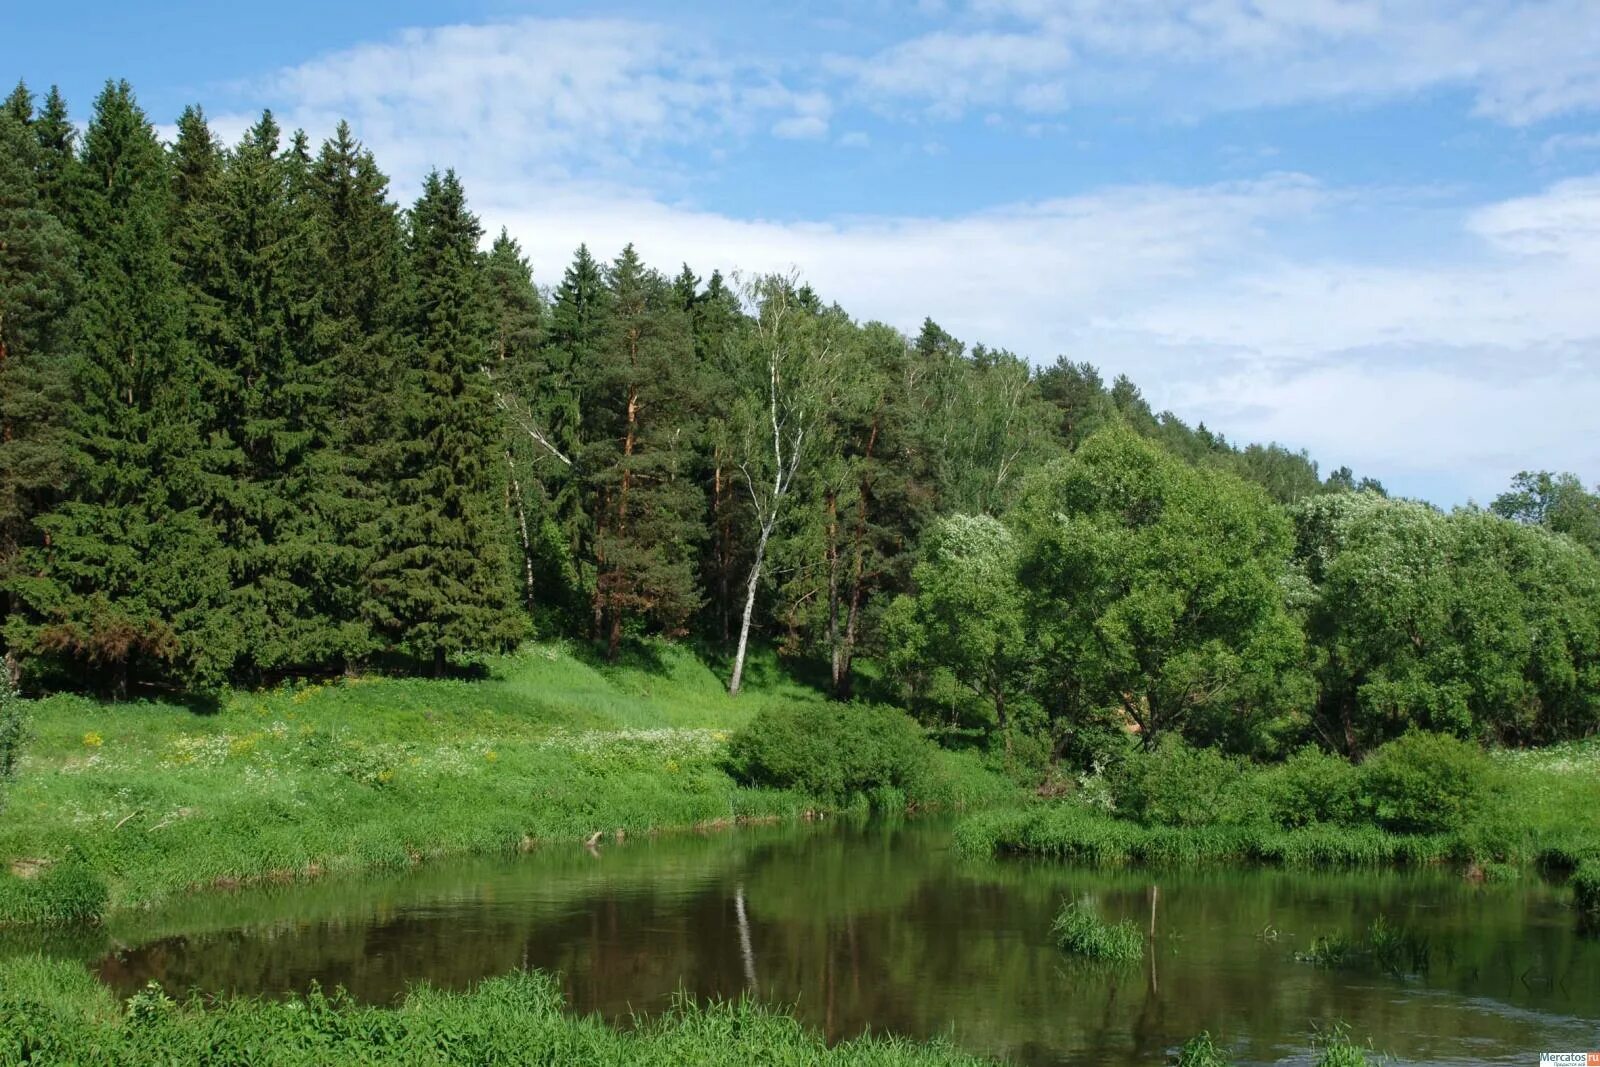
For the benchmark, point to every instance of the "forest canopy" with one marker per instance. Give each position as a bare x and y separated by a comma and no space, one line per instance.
257,420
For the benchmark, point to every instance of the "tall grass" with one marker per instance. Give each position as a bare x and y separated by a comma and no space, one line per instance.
1080,932
52,1012
127,805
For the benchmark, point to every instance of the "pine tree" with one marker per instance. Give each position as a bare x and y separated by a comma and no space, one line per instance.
648,510
443,581
131,579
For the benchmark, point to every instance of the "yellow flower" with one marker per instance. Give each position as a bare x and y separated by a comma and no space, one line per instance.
93,739
491,755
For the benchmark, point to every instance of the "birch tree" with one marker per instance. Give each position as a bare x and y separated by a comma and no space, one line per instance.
789,363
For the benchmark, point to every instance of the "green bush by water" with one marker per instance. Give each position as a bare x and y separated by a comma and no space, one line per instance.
834,751
1080,932
1427,783
54,1012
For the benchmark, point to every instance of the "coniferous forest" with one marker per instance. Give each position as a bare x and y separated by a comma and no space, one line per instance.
258,421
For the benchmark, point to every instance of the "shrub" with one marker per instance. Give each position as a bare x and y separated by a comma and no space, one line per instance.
1080,932
13,724
1311,786
1177,785
834,751
1586,887
1426,783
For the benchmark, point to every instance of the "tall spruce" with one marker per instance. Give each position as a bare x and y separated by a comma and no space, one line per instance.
356,269
37,279
443,582
131,580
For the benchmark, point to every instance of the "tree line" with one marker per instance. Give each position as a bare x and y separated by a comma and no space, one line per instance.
257,420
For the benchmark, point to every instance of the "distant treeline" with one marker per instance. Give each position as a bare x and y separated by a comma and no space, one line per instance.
257,420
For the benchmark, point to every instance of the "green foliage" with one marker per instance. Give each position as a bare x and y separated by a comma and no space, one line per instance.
1175,784
833,751
966,617
66,892
53,1012
1427,783
1201,1051
1586,887
14,724
1386,948
1080,932
1311,786
1153,589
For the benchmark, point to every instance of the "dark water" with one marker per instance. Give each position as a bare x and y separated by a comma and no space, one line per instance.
883,927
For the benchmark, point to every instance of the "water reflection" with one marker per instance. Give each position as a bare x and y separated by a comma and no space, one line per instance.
882,927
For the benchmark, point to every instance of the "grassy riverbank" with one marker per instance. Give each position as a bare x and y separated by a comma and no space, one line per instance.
1511,811
119,806
53,1012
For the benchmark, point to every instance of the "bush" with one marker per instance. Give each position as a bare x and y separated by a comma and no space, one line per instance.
1426,783
1311,786
834,752
13,724
1177,785
1080,932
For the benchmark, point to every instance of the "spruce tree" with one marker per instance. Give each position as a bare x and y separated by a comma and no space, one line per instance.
56,137
131,579
578,316
443,581
356,274
37,279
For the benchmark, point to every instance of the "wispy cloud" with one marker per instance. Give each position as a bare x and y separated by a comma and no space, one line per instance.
1454,361
1522,60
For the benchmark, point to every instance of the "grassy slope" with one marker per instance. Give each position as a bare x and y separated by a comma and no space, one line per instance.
53,1012
1550,813
150,799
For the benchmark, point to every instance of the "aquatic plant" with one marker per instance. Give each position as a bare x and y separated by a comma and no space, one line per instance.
1080,932
1201,1051
1385,947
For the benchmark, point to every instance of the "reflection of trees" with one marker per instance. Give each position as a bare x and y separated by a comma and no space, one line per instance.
884,928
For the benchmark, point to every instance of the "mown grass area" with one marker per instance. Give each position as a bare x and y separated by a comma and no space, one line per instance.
55,1012
1538,807
124,805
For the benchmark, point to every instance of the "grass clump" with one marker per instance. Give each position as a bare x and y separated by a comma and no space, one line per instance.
53,1012
1201,1051
1080,932
1391,949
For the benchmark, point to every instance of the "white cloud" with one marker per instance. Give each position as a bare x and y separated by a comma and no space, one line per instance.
1523,60
1454,370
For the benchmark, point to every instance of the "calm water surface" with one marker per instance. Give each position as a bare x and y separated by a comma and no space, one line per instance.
883,927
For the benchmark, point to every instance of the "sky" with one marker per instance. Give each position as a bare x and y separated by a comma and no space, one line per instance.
1365,228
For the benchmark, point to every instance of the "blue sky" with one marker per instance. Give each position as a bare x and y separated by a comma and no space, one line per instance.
1369,228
